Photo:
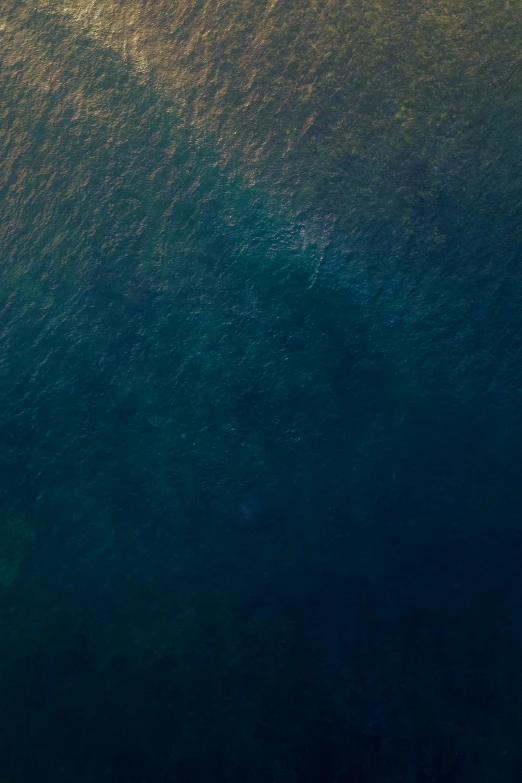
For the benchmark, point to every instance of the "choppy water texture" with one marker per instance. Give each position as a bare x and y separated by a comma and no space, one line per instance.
260,372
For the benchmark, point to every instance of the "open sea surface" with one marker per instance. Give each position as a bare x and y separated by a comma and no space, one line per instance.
260,391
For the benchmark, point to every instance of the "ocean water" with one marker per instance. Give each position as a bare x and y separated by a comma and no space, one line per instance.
260,391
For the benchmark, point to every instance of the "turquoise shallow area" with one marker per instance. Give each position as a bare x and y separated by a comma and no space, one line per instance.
260,381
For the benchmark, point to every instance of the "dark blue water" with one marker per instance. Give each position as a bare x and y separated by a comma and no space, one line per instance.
260,372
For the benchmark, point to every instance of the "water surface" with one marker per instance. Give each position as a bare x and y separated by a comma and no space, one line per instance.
260,377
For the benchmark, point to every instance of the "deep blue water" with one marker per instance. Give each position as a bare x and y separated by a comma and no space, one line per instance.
260,372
